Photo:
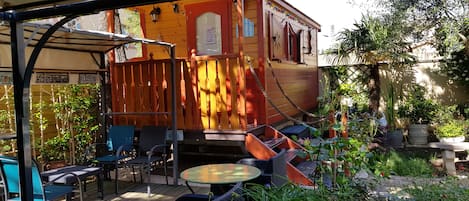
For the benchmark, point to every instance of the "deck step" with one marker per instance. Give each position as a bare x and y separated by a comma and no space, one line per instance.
291,154
274,142
268,144
307,167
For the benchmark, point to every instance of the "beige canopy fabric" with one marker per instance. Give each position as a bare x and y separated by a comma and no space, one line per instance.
66,49
21,4
52,59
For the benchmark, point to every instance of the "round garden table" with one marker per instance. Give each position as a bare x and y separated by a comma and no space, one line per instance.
224,173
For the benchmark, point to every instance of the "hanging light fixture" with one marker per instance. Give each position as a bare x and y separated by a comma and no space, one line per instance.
175,8
155,13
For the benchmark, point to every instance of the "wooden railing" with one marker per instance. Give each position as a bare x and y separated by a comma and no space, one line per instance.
210,93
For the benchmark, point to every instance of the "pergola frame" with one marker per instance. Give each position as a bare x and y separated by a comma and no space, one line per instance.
16,15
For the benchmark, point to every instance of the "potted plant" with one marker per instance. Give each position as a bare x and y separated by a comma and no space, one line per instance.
420,112
394,133
450,125
452,131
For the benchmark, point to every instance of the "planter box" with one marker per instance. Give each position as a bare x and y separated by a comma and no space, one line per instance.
452,139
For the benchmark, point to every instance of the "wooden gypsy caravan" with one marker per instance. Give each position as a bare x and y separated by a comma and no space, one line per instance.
221,108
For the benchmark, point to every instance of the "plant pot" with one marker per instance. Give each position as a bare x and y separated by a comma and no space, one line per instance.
394,138
418,134
452,139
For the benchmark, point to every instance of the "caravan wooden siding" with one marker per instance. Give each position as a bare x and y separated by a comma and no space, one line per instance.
298,83
210,93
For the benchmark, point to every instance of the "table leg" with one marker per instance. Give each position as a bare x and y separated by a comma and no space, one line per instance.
100,184
448,158
219,189
187,184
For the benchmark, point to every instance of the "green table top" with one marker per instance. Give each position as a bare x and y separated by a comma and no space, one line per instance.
224,173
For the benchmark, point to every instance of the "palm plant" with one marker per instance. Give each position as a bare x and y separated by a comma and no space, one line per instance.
372,43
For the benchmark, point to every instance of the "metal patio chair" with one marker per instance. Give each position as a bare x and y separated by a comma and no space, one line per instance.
152,150
273,170
41,191
119,145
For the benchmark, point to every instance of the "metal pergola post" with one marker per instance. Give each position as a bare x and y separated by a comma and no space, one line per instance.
21,98
174,113
22,82
22,72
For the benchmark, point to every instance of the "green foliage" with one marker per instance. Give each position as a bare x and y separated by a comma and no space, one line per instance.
374,42
55,148
417,107
38,110
362,127
77,112
407,165
292,192
390,103
4,116
442,24
379,165
454,128
336,156
450,122
456,66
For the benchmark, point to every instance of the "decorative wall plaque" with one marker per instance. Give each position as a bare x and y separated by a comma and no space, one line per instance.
87,78
6,78
52,78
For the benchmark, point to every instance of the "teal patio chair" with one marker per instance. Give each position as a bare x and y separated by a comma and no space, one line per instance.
119,144
41,191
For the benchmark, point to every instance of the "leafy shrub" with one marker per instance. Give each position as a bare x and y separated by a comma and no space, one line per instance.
417,107
454,128
402,164
293,192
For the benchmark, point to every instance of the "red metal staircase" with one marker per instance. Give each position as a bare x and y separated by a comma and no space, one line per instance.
265,142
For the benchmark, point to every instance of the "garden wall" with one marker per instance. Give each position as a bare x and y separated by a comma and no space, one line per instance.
52,108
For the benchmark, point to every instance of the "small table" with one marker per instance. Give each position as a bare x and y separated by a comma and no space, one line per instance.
449,153
219,174
82,172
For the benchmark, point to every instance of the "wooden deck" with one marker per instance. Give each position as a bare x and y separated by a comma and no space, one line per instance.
133,191
158,192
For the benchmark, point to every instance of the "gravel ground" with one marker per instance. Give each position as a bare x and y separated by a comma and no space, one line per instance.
384,189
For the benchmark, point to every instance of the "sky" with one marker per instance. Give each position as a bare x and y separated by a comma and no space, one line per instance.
332,15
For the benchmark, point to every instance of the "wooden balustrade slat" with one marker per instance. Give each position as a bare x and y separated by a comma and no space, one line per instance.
161,94
203,93
154,90
167,91
234,120
209,92
242,92
180,120
222,72
212,96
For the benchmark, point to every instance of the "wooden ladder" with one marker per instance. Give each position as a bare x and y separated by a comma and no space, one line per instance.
265,142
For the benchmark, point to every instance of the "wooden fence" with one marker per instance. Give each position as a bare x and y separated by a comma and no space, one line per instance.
210,93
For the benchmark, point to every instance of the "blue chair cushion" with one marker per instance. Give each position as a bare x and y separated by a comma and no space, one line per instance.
109,158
